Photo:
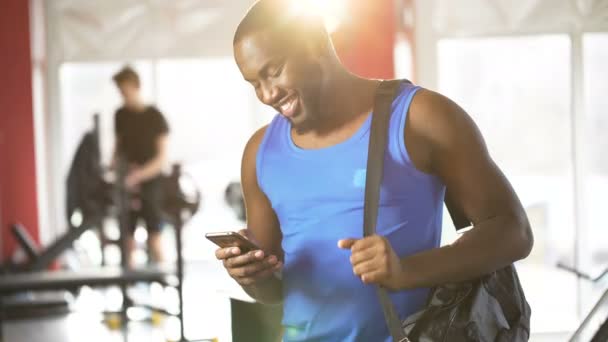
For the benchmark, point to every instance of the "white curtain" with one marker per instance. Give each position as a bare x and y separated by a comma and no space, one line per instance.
131,29
498,17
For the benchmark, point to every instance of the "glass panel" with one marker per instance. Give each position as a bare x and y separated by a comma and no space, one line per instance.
517,89
404,67
210,103
594,251
212,112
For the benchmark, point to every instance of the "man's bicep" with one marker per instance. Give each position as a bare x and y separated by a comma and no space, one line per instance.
161,143
461,159
262,222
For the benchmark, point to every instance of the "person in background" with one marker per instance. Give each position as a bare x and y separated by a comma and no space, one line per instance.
141,139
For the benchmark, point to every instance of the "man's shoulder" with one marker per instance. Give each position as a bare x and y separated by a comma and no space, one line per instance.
427,99
252,147
120,110
151,108
256,139
430,108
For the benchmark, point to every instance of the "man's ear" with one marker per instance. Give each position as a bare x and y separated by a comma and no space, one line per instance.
318,44
313,35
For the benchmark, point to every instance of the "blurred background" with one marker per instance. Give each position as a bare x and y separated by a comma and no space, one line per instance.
532,73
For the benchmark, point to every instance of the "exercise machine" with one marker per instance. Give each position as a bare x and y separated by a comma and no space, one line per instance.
594,327
89,197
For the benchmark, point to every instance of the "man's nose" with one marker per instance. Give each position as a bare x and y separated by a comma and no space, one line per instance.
270,94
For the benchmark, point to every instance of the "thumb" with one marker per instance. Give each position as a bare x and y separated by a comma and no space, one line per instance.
346,243
245,233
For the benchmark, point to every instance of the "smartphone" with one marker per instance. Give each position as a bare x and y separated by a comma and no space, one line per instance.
232,239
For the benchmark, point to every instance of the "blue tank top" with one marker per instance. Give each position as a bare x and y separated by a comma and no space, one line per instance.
318,197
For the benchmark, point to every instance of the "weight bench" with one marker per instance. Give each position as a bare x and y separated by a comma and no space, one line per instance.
65,280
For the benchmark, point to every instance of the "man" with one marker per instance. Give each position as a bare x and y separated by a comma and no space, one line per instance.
303,179
141,139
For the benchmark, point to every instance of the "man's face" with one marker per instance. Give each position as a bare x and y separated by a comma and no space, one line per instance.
285,76
129,92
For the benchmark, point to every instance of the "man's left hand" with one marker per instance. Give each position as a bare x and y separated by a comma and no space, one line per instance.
374,261
132,180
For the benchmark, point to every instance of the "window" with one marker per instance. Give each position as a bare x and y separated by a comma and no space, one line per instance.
594,247
517,90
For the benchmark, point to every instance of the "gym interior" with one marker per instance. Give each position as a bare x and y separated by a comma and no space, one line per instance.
533,74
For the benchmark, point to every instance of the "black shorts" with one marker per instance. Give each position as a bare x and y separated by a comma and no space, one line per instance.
151,198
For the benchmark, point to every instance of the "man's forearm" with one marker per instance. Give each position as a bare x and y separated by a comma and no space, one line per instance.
489,246
151,169
269,291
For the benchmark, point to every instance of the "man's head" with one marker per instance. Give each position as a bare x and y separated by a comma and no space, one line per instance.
287,56
128,84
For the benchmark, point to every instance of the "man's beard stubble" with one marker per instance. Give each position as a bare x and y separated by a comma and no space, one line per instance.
312,101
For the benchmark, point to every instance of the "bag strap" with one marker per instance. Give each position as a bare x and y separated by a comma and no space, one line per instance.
375,165
378,141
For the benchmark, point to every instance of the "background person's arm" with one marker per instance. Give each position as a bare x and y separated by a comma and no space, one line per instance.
117,133
153,167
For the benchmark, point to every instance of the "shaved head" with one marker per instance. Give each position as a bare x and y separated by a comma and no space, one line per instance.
284,51
281,16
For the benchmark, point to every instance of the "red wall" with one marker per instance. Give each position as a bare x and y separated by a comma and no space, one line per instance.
17,158
365,42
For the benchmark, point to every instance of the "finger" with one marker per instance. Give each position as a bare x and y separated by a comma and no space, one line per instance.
243,232
225,253
267,272
374,277
250,280
249,258
368,242
250,270
365,267
254,269
362,256
346,243
245,259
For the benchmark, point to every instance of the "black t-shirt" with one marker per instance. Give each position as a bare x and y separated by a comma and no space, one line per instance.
138,132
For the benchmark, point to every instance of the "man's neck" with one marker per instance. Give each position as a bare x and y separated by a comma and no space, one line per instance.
138,106
348,97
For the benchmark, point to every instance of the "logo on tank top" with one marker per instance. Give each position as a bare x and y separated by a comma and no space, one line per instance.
359,178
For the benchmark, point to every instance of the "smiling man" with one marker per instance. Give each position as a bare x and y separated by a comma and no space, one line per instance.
303,179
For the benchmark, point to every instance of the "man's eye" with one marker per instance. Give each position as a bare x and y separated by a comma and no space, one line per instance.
277,72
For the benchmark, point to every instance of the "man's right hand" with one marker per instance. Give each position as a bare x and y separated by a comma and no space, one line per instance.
250,268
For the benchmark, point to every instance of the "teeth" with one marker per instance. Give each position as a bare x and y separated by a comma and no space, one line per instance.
287,105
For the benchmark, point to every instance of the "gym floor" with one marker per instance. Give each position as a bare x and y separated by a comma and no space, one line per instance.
207,315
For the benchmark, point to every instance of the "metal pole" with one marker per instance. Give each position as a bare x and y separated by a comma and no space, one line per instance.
123,212
578,159
179,223
180,272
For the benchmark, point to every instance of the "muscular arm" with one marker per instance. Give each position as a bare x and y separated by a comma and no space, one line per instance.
443,140
262,223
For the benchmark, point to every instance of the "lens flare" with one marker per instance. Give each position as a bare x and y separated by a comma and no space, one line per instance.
332,11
